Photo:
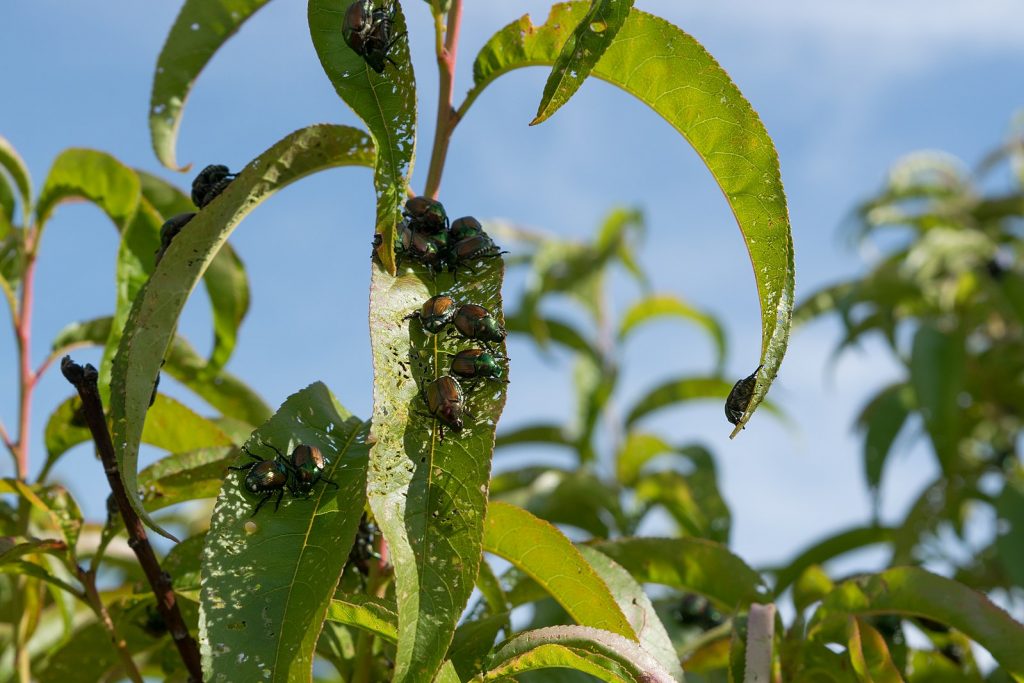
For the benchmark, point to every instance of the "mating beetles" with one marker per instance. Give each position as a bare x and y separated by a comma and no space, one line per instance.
739,398
465,227
426,215
367,30
210,182
307,468
444,402
430,250
476,322
265,477
472,249
473,363
436,312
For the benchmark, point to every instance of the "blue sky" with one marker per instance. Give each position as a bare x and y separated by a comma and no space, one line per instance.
843,88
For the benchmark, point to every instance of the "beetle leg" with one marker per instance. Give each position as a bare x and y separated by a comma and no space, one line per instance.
277,503
246,466
325,479
262,501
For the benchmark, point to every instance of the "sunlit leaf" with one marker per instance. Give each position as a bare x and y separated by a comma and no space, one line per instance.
200,29
581,52
870,655
185,476
429,494
366,615
27,568
689,564
65,429
913,591
693,501
95,176
681,390
155,312
268,578
828,548
12,163
657,306
385,102
607,656
668,70
13,548
577,498
174,427
811,586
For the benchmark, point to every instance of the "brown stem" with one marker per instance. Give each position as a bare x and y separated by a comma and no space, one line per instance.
446,115
92,597
84,380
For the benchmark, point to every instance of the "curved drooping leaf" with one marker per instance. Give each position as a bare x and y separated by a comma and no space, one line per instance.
668,70
607,656
473,641
92,175
655,306
428,493
637,608
65,429
13,548
185,476
681,390
268,579
594,383
366,615
639,448
226,281
35,571
575,498
870,655
581,52
155,312
555,330
882,420
694,502
176,428
913,591
54,502
14,165
201,28
542,552
937,374
385,102
690,564
77,334
534,433
828,548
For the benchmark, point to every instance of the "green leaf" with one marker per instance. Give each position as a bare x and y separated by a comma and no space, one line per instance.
882,419
937,371
578,498
173,427
183,562
829,548
385,102
668,70
913,591
27,568
428,494
65,429
870,655
555,330
201,28
226,281
604,655
534,433
268,579
185,476
684,389
1009,544
655,306
79,334
812,585
639,448
13,548
637,608
581,51
94,176
366,615
549,558
14,165
156,309
694,502
594,384
473,641
690,564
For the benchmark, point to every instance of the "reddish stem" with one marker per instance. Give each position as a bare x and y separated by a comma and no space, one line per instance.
23,333
446,115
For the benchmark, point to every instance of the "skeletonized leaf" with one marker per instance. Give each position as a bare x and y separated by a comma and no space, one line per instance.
671,72
429,494
268,579
581,52
909,590
605,655
155,312
385,102
542,552
201,28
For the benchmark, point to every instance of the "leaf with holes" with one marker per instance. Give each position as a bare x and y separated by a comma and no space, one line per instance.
672,73
268,579
156,309
429,493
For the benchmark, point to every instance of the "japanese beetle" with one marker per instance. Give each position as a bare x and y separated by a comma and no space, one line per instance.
307,468
170,229
364,550
473,363
472,249
464,227
739,398
367,30
444,402
426,215
476,322
265,477
696,610
430,250
437,311
210,182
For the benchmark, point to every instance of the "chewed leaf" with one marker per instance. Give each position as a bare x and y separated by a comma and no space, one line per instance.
386,103
155,311
581,52
199,31
672,73
268,579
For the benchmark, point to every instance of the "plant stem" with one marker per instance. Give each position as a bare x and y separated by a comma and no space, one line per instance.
92,597
380,574
23,333
446,115
84,380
